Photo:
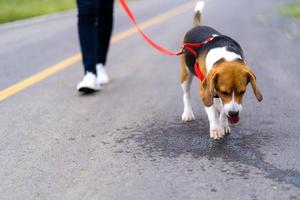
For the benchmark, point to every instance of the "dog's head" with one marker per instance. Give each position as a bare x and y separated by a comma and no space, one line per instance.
229,80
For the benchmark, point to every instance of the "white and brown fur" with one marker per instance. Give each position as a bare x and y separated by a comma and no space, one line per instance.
226,77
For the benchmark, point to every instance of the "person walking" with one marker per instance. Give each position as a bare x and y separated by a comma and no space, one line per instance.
95,23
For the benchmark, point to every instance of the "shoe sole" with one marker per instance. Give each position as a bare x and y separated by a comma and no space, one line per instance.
87,90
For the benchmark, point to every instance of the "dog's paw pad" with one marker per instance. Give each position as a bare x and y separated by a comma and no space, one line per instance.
217,133
188,116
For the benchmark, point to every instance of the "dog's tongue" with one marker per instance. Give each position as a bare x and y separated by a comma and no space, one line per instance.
233,120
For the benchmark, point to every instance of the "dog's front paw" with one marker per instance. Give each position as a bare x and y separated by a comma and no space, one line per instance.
225,124
188,116
227,129
217,133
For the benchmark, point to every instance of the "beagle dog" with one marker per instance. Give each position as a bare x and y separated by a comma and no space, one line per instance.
226,76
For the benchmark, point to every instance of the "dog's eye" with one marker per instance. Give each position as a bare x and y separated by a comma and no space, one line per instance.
242,92
224,93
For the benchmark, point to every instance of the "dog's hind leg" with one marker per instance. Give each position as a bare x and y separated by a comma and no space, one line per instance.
186,81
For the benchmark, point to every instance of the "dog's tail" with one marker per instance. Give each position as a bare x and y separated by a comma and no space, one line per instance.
198,12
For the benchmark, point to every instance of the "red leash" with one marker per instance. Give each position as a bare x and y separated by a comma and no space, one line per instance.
187,46
148,39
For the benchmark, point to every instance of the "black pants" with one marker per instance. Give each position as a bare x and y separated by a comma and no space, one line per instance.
95,21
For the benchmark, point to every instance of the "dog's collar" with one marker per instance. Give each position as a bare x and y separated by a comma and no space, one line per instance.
190,48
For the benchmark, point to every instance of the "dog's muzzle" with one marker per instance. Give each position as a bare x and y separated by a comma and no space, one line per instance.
233,117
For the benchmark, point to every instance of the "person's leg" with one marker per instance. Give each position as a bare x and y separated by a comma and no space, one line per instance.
104,28
87,33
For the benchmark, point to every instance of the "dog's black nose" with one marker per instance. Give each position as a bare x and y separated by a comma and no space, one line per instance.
233,113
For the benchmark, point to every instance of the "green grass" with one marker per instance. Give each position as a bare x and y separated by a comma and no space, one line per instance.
11,10
291,10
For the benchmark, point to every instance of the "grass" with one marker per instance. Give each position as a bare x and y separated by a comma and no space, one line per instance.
11,10
291,10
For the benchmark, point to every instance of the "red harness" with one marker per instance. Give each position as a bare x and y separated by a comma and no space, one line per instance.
190,48
186,47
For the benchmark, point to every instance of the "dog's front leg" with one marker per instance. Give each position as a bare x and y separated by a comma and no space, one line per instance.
216,129
224,122
223,118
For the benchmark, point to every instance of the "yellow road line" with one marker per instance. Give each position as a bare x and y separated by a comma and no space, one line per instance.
12,90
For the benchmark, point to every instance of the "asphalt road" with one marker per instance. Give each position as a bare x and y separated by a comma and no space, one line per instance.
128,141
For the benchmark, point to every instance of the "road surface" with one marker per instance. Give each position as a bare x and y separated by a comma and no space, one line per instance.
128,141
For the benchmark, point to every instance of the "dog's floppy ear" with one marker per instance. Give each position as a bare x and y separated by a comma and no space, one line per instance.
252,79
207,88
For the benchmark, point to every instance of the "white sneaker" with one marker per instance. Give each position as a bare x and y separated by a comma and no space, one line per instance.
89,83
102,76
